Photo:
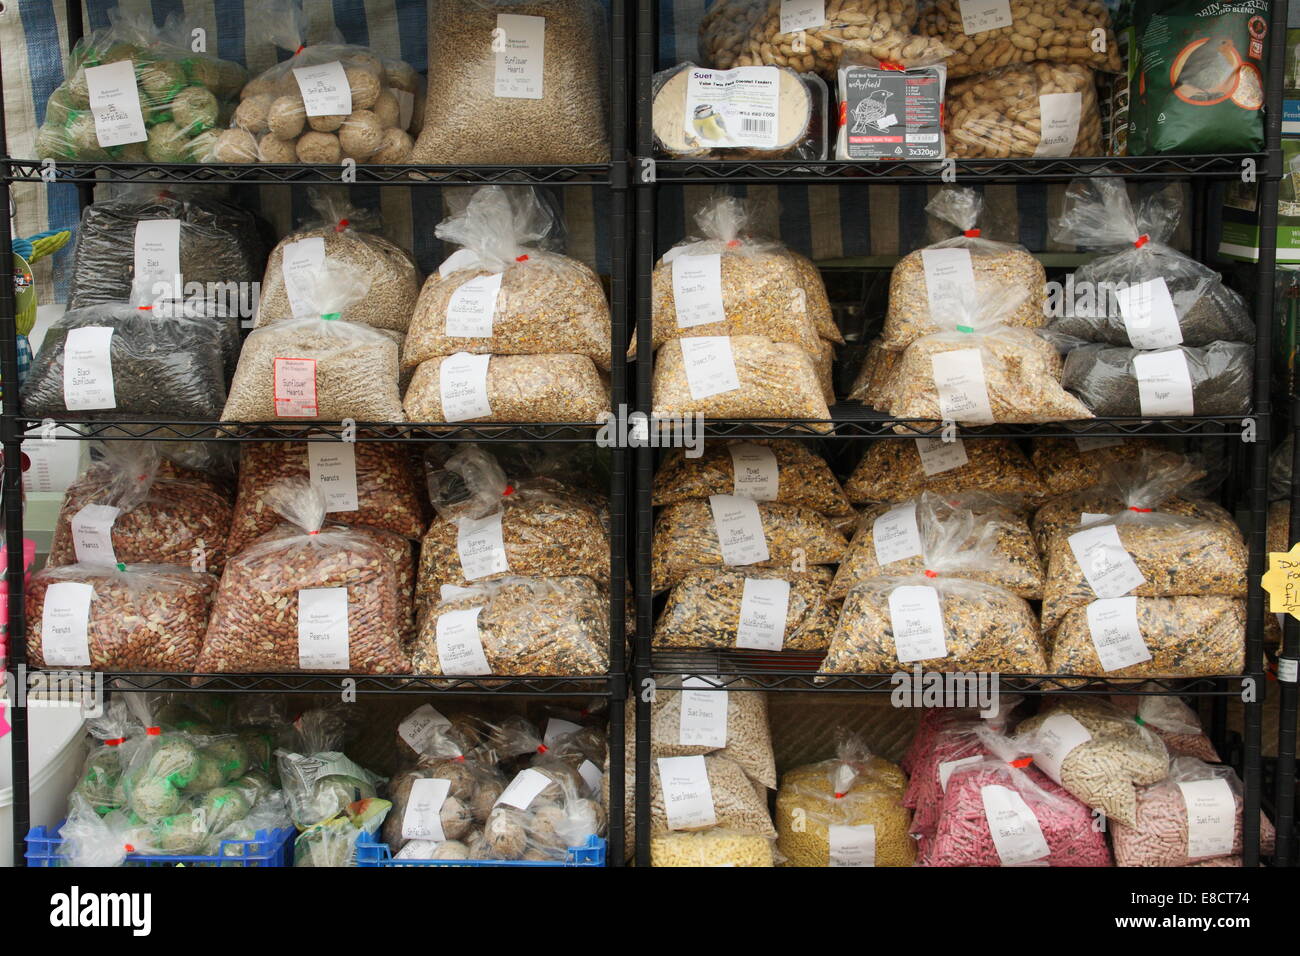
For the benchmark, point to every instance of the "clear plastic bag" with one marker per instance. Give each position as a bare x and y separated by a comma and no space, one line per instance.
686,538
101,771
895,471
138,516
344,234
323,784
1002,113
319,368
506,292
877,368
436,811
532,824
801,477
846,811
711,848
334,593
1215,380
507,388
920,305
733,802
1073,464
1176,724
955,742
497,114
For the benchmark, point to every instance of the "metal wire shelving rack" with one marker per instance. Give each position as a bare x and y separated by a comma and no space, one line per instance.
14,427
794,672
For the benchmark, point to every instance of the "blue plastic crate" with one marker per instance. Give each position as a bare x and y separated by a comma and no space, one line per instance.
378,854
267,848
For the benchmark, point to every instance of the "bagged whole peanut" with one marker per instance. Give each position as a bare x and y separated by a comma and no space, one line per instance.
1039,109
507,388
506,291
895,471
306,599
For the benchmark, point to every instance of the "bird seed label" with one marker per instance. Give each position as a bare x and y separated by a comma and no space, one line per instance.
591,775
917,623
115,104
481,547
520,45
710,366
799,15
963,392
557,728
88,369
462,385
420,725
757,475
948,767
323,629
1058,115
299,264
523,790
739,527
1109,569
1150,318
1113,626
764,606
472,307
333,469
949,281
739,107
295,387
688,798
460,647
891,114
158,257
65,620
697,290
938,456
1164,383
980,15
423,817
703,718
895,534
92,534
1017,837
852,845
325,89
1056,738
1211,817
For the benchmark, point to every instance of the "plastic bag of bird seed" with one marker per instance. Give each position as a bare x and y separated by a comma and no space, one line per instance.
1198,69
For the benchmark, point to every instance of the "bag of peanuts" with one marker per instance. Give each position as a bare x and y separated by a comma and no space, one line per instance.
900,540
847,811
896,471
506,291
927,284
1096,752
1045,110
303,598
1194,814
121,509
1141,292
138,617
344,233
319,367
1061,31
326,103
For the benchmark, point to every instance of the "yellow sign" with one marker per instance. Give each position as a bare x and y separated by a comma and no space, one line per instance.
1282,581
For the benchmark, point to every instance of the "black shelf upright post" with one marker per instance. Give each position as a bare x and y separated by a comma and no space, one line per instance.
1288,690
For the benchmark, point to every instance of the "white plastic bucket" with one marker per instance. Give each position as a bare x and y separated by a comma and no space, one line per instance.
56,748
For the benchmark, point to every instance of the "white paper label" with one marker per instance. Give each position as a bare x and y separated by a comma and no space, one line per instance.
92,534
423,817
949,282
460,259
938,456
115,104
963,393
697,290
1110,569
757,474
300,265
333,469
65,621
158,260
703,718
325,89
739,526
710,365
980,15
739,107
895,534
1150,318
1095,444
1055,738
473,306
1017,837
1059,115
1113,625
557,728
421,726
688,798
523,790
917,623
520,45
323,629
764,606
852,845
1164,383
405,108
947,768
591,775
481,547
460,647
294,382
52,466
799,15
1211,817
462,382
88,369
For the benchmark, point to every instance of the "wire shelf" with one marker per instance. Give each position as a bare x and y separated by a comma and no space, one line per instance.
551,432
524,686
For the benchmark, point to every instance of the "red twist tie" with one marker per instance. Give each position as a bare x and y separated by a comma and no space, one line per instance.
971,233
459,758
299,50
931,574
523,258
732,243
144,308
844,113
314,532
839,796
128,847
1022,762
342,224
115,742
541,748
153,731
510,490
1142,240
889,65
1145,511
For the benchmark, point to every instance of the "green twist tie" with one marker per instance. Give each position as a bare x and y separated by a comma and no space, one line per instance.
1140,721
121,566
965,328
330,316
